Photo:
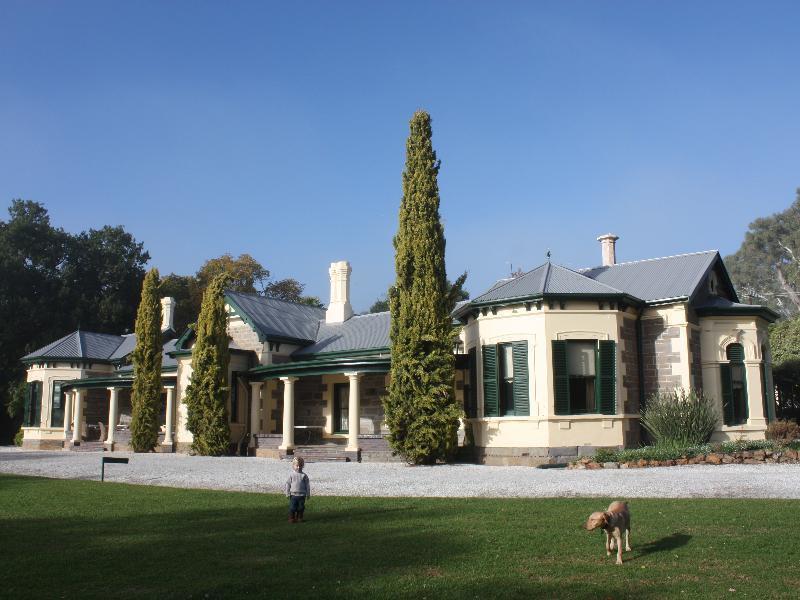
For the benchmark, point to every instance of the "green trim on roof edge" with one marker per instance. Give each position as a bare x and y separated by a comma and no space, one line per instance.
183,339
341,354
756,311
45,358
307,368
106,382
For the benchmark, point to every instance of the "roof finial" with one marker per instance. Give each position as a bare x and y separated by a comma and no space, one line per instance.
548,255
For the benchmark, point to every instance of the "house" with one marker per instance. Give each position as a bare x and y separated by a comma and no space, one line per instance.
549,365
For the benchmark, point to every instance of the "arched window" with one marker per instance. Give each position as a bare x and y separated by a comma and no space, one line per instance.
734,386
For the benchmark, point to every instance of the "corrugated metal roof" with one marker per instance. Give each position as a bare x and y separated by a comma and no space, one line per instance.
166,359
80,344
548,278
278,318
126,347
361,332
657,278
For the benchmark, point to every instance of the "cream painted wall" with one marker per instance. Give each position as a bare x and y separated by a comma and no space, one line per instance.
48,375
539,327
183,376
716,334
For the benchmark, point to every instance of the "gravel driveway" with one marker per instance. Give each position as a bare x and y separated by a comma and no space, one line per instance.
392,479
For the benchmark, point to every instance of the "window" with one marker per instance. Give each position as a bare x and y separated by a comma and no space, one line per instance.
505,380
341,405
734,386
584,376
57,406
33,404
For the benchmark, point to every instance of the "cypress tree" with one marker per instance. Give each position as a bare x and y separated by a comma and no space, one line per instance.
421,410
146,392
208,390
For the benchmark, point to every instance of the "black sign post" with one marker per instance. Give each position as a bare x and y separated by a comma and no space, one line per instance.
109,459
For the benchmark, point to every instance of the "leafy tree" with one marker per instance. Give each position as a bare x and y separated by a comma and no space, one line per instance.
421,411
290,290
380,305
766,268
208,389
92,278
102,279
182,288
31,255
146,391
455,293
245,273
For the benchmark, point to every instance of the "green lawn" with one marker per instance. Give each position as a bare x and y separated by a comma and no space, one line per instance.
86,539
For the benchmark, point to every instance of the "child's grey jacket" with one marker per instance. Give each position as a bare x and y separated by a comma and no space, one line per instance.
298,485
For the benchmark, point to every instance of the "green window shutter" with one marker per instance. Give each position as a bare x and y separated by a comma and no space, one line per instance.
607,376
735,353
472,405
521,380
33,404
26,409
490,408
727,394
560,377
769,392
57,406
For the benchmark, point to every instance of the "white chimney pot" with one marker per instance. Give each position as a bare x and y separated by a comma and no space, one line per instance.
608,248
339,308
168,313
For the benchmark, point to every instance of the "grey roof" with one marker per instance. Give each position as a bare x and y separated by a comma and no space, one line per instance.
166,359
545,279
277,318
79,344
361,332
126,347
657,278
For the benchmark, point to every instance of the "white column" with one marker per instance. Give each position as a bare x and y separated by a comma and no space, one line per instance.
353,412
288,413
170,411
76,425
113,416
68,412
255,410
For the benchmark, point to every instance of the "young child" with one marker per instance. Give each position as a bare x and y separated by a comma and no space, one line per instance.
297,490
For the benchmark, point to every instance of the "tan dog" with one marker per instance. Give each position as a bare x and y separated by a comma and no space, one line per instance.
613,521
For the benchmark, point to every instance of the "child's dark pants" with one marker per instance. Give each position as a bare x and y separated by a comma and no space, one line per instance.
297,504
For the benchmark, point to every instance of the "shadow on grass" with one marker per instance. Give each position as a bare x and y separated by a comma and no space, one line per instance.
668,543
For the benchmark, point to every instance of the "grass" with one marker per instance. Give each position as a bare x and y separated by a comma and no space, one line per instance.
86,539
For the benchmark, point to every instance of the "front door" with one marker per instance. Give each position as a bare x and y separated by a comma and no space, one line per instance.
341,404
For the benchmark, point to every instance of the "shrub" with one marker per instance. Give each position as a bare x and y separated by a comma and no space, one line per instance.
18,437
679,419
783,430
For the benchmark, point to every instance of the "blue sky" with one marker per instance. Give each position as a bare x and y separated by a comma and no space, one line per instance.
278,129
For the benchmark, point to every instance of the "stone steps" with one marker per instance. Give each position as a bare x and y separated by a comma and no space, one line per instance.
88,447
322,453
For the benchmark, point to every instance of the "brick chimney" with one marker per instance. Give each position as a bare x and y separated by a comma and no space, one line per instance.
339,308
168,314
608,244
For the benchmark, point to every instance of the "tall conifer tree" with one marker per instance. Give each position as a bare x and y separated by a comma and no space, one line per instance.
207,393
421,410
146,392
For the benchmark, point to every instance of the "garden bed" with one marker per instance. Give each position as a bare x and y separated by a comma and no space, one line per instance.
739,452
